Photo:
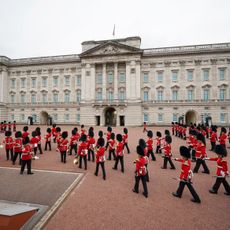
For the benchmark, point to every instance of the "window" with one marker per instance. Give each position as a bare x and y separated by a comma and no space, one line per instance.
99,95
12,83
67,80
78,118
121,95
67,97
222,118
160,95
44,82
66,117
23,98
55,81
190,94
110,95
12,117
34,116
206,95
99,78
78,96
159,76
174,95
33,98
23,83
33,82
55,117
122,77
12,98
146,117
174,76
79,80
55,97
190,75
160,117
174,119
222,94
205,74
146,95
221,74
22,117
110,78
146,78
44,97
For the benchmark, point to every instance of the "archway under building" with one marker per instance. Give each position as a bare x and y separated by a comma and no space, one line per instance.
110,116
191,117
44,118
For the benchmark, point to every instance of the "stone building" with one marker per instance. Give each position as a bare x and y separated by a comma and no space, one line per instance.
116,82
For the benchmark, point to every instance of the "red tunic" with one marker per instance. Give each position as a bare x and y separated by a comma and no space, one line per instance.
111,144
149,143
82,149
34,141
158,141
100,155
26,152
140,166
222,139
91,143
125,138
73,140
25,134
213,137
48,137
185,168
108,136
18,145
119,149
63,145
222,166
167,150
53,131
9,143
200,150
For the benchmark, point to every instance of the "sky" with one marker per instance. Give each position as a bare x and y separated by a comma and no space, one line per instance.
32,28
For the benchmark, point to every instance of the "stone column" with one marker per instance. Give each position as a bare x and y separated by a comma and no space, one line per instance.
104,82
138,80
127,80
115,81
83,82
92,75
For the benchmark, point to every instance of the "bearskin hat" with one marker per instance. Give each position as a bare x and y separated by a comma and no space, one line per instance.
158,134
54,125
150,134
223,130
109,129
140,150
112,136
38,132
220,150
18,134
8,133
74,132
76,129
58,129
167,132
82,126
91,133
184,152
38,129
26,140
125,130
25,128
64,134
142,143
101,141
100,133
83,137
200,137
90,129
168,139
34,134
48,130
119,137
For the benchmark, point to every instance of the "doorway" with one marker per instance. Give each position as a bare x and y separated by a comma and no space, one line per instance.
110,116
190,117
44,118
122,120
98,120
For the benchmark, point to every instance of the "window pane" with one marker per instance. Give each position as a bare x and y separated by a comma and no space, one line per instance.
146,117
146,78
146,96
122,77
174,95
160,117
190,75
222,94
175,118
67,80
206,94
110,78
174,76
44,82
160,76
222,74
190,95
159,95
205,74
78,80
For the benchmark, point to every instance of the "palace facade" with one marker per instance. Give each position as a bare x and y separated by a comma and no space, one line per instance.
116,82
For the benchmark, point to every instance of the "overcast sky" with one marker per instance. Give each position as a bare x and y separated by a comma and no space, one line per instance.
31,28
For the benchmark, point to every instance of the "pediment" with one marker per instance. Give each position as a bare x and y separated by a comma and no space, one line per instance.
110,48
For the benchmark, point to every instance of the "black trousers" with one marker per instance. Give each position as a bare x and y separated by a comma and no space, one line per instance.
16,156
102,167
218,182
121,159
91,152
190,187
137,180
213,146
193,155
73,147
35,150
24,163
9,154
199,162
147,174
127,147
40,148
150,152
85,161
158,150
48,143
107,145
63,156
54,139
166,160
112,152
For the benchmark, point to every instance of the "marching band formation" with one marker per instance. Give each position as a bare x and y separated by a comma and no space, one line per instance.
85,147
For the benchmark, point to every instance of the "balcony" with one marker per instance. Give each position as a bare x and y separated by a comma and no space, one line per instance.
113,102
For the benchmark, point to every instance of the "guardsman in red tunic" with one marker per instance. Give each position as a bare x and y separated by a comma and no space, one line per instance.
73,142
222,170
186,175
100,158
9,126
223,137
145,127
25,132
83,131
9,145
26,156
158,140
168,153
100,135
63,146
53,130
173,128
119,152
108,135
38,131
58,135
213,138
48,139
91,146
140,171
83,151
112,147
149,144
34,142
142,144
201,154
17,147
14,126
125,139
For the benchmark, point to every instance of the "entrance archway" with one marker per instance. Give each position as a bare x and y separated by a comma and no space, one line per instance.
44,118
110,116
190,117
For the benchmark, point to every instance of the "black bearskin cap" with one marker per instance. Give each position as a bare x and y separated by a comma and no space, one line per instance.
184,152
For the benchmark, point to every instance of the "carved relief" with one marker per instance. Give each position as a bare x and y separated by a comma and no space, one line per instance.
213,61
110,50
197,62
